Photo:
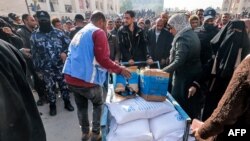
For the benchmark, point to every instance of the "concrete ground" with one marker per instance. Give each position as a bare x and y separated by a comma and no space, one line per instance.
64,126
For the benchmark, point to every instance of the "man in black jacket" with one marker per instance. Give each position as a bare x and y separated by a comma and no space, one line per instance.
159,43
132,41
25,33
118,23
79,24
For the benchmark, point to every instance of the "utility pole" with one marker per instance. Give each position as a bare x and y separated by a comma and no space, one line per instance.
28,9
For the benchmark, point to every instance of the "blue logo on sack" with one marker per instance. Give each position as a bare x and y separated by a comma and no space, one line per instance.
179,117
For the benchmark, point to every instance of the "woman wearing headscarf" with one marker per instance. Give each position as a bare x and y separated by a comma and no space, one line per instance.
232,112
230,47
247,23
184,61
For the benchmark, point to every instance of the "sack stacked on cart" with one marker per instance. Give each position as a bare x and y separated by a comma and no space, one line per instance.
137,130
154,84
140,120
168,127
138,108
127,87
131,118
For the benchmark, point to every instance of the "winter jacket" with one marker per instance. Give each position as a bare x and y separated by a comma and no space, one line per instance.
134,46
159,49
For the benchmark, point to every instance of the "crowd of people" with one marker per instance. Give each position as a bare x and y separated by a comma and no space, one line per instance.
200,51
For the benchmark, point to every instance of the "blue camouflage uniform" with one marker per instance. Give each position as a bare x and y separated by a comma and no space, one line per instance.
46,49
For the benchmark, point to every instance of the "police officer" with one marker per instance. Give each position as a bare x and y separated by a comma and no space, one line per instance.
49,48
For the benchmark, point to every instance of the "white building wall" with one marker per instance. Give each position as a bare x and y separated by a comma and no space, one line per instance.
236,6
19,6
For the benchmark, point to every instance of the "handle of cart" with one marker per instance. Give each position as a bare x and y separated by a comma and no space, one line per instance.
142,63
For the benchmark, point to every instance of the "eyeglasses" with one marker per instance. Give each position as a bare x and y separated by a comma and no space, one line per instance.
118,22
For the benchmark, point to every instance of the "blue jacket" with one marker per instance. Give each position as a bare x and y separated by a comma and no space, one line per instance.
81,62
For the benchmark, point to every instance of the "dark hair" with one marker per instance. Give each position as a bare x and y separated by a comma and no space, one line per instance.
147,21
79,17
25,17
199,10
226,14
54,21
96,16
131,13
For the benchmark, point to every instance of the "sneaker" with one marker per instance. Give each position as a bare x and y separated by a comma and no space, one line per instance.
96,137
85,136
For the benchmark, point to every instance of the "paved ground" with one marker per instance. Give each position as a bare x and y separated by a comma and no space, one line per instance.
64,126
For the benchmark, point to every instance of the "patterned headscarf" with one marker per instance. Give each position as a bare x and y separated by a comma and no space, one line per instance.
179,22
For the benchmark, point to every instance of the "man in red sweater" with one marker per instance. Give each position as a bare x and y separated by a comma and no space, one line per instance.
85,72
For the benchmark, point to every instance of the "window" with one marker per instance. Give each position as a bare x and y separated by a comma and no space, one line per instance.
87,4
101,6
97,4
68,8
41,0
54,1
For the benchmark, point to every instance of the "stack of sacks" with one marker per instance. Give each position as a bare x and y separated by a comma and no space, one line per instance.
137,130
168,127
130,120
154,84
127,87
138,108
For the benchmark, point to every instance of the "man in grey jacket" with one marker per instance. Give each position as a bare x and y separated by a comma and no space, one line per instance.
25,33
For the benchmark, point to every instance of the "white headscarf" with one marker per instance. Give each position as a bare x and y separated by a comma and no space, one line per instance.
179,22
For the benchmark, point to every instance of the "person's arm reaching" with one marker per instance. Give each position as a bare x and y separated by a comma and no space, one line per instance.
101,52
232,104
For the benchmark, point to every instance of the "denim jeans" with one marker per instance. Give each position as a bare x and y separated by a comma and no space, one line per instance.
82,95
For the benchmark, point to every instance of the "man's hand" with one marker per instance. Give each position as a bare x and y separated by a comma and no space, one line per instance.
117,62
26,52
195,126
7,30
63,56
125,72
191,91
131,62
150,61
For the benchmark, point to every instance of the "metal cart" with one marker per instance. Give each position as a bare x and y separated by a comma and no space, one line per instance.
106,116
